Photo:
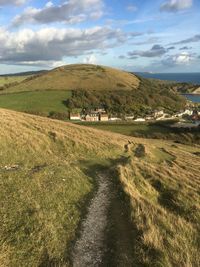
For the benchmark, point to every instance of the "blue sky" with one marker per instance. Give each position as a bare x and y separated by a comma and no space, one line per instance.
135,35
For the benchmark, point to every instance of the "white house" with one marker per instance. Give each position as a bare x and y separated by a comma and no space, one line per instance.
75,116
115,119
140,119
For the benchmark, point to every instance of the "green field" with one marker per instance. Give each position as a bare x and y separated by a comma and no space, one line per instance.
38,101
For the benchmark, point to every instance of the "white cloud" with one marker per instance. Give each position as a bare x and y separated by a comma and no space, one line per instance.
72,11
42,63
176,5
183,58
90,59
52,44
49,4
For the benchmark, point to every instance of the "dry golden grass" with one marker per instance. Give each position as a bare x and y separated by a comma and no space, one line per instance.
80,76
43,197
165,205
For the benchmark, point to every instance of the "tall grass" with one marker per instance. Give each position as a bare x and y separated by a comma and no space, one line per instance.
165,207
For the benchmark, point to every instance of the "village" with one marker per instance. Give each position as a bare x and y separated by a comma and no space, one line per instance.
190,114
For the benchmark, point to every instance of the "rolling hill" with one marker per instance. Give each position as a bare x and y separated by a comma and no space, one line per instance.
79,76
88,86
49,172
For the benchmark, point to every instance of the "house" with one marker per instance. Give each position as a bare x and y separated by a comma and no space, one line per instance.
115,119
92,117
148,118
74,116
103,117
140,119
129,117
188,112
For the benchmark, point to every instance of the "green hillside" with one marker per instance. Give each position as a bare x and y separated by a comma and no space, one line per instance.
49,170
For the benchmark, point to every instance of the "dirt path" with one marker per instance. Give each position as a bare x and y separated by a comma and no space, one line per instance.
90,248
107,235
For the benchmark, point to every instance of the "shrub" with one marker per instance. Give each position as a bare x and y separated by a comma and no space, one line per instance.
58,115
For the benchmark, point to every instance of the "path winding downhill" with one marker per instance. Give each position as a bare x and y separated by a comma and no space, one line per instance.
107,235
90,248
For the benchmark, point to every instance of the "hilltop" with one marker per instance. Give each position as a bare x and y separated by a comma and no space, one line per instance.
50,170
79,76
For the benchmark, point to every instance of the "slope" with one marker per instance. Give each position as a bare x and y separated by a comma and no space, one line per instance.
48,172
79,76
44,183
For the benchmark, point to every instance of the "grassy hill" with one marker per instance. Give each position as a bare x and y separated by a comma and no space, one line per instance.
48,172
89,86
79,76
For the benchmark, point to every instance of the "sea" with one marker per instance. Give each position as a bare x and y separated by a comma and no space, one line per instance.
177,77
193,98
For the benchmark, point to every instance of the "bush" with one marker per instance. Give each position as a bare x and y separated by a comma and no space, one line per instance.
58,115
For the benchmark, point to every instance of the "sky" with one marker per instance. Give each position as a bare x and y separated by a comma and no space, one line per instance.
134,35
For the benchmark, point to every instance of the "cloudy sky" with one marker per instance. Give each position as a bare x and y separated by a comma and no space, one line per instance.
136,35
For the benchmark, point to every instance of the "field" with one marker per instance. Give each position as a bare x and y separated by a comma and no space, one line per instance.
49,172
40,102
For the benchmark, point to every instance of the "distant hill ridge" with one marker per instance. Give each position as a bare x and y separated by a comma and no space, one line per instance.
26,73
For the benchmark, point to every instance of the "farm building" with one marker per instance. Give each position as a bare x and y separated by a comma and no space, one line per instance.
103,117
92,117
75,116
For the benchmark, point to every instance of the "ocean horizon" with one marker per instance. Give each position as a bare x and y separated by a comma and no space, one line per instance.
177,77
